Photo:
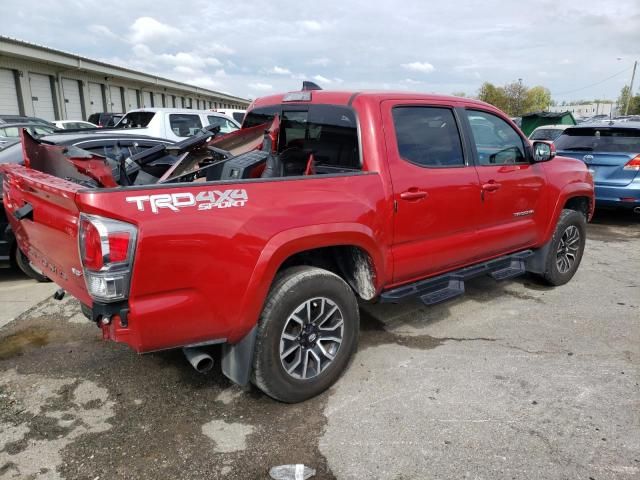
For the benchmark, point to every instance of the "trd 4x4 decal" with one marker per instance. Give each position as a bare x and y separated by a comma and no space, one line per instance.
206,200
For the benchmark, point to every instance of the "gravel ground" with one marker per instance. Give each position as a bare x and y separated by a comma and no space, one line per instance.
513,380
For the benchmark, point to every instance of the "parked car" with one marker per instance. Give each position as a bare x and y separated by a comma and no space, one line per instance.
173,123
110,146
105,119
371,196
237,115
548,132
23,119
74,124
611,151
9,131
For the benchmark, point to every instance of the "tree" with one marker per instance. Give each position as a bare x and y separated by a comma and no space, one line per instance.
515,93
459,94
634,103
494,95
537,99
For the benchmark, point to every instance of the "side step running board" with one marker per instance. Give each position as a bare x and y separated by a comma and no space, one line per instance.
449,285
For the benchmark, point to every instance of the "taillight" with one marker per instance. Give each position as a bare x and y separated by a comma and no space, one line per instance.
106,251
633,164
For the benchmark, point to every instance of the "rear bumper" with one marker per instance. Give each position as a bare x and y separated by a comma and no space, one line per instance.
609,196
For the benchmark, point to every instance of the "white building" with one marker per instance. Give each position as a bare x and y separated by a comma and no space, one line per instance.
55,85
588,110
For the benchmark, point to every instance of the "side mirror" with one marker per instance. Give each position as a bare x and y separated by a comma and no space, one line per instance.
543,151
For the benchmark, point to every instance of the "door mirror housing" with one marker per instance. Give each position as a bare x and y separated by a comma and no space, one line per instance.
543,151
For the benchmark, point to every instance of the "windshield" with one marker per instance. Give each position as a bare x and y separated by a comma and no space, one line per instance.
136,120
603,139
546,134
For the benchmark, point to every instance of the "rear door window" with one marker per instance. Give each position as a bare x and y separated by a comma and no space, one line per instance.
428,136
13,132
497,143
593,139
184,125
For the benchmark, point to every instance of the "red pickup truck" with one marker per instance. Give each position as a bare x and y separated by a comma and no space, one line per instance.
350,197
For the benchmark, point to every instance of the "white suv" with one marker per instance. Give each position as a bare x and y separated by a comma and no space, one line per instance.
173,123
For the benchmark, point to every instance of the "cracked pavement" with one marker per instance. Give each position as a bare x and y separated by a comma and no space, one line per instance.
512,380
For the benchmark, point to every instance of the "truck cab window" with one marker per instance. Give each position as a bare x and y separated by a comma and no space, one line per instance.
497,143
428,136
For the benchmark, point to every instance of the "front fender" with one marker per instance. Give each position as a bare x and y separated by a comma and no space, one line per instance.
571,190
287,243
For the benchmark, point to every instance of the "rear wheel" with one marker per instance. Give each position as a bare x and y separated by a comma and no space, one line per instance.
566,249
28,268
308,332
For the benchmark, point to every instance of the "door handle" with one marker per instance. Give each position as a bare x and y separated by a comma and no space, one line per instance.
492,186
413,194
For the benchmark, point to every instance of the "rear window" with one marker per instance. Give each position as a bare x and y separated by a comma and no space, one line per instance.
330,132
259,116
135,120
546,134
604,139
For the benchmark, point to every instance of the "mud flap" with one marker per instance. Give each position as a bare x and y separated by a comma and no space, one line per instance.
237,359
537,262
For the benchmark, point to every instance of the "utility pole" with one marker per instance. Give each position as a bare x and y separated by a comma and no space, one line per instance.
633,76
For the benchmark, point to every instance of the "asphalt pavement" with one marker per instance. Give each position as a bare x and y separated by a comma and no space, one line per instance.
514,380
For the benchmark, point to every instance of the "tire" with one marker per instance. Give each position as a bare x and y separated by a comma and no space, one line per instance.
566,249
325,310
24,264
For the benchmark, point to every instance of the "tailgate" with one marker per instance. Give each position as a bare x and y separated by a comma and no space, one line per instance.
47,227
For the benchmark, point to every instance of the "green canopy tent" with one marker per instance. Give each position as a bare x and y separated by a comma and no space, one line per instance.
531,121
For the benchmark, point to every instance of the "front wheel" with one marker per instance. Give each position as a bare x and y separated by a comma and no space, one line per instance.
566,249
307,334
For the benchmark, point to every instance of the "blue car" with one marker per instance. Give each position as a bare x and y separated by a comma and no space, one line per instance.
611,151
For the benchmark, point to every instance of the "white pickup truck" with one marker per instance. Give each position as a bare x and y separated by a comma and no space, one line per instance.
173,123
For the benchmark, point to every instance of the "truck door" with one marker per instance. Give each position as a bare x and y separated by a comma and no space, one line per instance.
512,214
436,191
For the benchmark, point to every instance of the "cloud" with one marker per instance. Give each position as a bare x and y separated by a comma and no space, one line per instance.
261,87
219,48
411,81
204,82
189,60
320,62
145,29
280,71
321,79
313,25
102,31
142,51
422,67
185,70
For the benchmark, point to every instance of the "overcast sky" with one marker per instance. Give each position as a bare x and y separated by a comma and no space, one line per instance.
250,49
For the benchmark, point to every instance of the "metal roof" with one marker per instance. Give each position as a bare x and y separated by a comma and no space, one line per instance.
27,50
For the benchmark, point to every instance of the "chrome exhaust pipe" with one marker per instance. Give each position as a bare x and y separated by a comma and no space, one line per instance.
198,359
636,210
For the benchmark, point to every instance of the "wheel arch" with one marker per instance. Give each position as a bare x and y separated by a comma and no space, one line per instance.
574,196
367,265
